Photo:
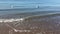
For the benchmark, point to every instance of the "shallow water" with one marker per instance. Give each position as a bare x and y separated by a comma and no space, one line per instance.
17,13
25,10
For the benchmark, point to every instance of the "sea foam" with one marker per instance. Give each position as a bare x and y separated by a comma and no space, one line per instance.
11,20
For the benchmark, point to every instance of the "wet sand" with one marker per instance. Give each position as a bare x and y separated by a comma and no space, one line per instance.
49,24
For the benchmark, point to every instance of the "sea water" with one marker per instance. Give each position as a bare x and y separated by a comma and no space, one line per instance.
28,11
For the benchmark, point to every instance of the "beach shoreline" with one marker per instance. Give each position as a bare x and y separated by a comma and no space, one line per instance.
37,24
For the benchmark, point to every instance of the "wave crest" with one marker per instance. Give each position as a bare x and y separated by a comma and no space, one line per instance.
11,20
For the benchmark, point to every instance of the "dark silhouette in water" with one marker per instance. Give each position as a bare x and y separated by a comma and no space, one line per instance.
38,7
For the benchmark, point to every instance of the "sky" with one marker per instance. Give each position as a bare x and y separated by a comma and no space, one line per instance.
41,2
30,3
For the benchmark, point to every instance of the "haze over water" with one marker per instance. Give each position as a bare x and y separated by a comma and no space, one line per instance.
20,6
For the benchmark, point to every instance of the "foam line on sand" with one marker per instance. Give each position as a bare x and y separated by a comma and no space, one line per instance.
11,20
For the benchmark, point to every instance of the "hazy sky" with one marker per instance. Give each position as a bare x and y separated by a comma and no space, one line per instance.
42,2
30,3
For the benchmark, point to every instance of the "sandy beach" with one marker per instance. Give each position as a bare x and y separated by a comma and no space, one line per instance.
49,24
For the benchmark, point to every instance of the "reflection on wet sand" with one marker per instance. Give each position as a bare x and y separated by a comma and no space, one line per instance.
33,25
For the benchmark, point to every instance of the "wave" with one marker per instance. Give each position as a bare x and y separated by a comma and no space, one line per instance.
28,17
10,20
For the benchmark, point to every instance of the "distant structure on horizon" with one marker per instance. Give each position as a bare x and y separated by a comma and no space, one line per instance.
38,6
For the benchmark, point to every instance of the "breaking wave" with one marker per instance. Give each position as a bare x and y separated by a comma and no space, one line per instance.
21,19
11,20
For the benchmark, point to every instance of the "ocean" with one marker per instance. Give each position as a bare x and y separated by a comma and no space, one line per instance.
26,12
29,21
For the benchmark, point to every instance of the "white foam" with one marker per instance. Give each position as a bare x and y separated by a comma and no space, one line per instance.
22,30
11,20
